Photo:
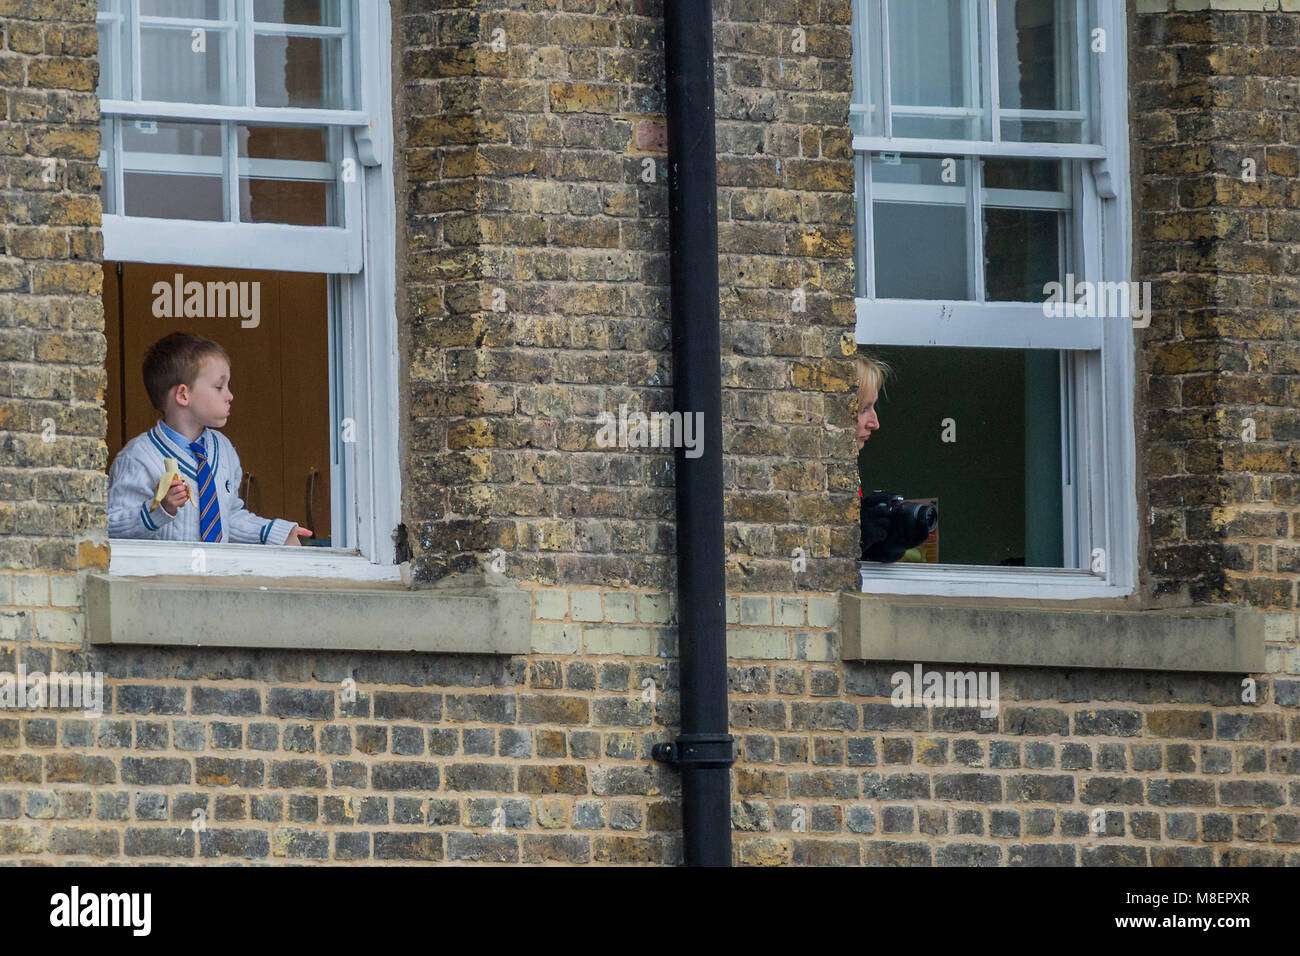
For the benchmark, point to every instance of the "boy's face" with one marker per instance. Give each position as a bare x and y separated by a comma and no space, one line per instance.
867,420
208,400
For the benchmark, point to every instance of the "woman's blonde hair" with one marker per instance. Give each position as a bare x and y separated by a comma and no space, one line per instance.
872,375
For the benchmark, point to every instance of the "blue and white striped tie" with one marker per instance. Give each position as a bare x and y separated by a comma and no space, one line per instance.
209,513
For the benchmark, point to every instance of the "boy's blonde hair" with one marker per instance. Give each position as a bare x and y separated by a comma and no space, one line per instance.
872,375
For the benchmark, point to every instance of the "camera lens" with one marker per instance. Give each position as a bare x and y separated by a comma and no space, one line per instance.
916,521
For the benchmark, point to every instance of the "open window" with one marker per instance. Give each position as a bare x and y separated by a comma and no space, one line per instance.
248,197
989,140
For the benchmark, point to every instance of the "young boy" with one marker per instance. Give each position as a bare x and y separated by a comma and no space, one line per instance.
188,380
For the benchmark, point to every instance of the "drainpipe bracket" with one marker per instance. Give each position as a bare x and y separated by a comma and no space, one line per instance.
697,751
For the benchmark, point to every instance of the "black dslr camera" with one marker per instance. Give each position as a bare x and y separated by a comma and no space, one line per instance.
891,525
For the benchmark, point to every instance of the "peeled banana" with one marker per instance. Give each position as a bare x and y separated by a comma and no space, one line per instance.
171,472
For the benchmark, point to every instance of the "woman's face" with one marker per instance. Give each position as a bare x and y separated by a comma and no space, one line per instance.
867,420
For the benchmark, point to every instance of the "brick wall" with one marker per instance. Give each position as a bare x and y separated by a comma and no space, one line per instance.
526,191
205,755
1213,90
52,377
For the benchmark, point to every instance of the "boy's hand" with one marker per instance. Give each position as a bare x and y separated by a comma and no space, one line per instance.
298,532
176,496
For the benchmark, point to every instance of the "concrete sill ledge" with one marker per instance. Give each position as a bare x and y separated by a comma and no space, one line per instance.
223,613
1208,639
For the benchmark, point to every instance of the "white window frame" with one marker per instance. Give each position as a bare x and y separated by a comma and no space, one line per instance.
1098,438
360,258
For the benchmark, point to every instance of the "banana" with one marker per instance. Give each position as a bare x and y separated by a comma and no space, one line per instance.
171,472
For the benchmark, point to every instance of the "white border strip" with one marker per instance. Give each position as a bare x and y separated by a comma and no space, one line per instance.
233,245
1003,325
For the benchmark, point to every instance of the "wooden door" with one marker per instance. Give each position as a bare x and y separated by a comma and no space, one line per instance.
279,418
305,399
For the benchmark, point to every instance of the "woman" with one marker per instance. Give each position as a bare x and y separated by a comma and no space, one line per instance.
872,374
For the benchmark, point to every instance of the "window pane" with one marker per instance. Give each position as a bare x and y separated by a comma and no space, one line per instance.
919,219
287,174
280,200
323,13
302,51
301,143
936,69
1040,68
1026,245
997,478
107,178
297,71
866,115
107,87
186,66
172,170
1022,254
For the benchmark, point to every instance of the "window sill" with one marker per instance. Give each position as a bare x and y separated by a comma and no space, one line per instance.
959,580
326,616
138,558
1203,639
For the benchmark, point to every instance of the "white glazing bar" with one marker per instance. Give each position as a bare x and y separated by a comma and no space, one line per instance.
1063,49
353,306
232,245
348,83
172,163
375,187
230,178
975,227
867,258
1070,486
1064,256
944,147
119,174
1026,199
886,81
115,22
1096,522
186,23
1072,116
857,62
954,112
119,53
971,82
1006,325
246,57
924,195
1083,64
137,80
1084,237
295,169
265,115
230,56
338,474
995,81
106,161
298,30
353,194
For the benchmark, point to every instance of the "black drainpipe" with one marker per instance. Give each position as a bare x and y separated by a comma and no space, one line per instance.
704,751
